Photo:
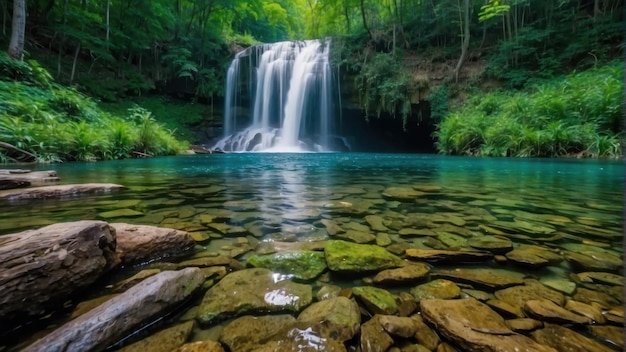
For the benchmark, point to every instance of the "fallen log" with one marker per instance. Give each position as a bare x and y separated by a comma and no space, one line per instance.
39,268
123,314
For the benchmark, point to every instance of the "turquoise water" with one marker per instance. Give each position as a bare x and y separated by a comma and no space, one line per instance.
281,182
560,204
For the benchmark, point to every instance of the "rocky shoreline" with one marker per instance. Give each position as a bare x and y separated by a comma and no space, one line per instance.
282,296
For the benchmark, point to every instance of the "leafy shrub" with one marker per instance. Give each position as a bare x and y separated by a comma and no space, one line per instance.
578,113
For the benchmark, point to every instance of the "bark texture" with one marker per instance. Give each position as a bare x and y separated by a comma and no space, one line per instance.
16,46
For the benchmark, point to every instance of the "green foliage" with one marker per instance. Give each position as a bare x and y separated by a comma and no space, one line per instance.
492,9
385,86
59,124
577,114
438,99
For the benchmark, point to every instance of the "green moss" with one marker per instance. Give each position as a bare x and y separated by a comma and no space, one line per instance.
303,265
377,300
347,256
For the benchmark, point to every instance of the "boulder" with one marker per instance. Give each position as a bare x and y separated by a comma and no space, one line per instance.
59,191
123,314
347,256
140,244
304,265
472,326
252,290
39,268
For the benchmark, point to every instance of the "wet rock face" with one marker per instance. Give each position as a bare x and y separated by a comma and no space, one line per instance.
252,290
563,339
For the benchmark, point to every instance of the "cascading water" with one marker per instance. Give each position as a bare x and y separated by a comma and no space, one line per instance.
278,98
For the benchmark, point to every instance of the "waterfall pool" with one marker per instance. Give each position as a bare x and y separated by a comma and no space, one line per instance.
422,201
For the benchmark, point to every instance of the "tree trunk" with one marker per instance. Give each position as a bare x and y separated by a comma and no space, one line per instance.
365,21
40,267
74,64
108,22
16,46
466,39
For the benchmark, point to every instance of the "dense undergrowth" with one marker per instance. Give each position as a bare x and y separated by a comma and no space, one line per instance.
57,123
577,115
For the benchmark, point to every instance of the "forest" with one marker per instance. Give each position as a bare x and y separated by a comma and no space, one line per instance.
105,79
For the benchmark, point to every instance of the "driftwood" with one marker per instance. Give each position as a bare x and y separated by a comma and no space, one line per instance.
123,314
142,155
59,191
18,178
18,154
40,267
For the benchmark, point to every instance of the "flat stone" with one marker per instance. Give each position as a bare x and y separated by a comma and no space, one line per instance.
383,239
564,286
165,340
373,337
473,326
347,256
594,261
303,337
376,300
524,325
407,274
445,256
601,277
246,333
85,306
304,265
327,291
376,223
424,334
401,194
564,339
505,309
138,244
590,296
533,256
518,295
549,311
59,191
252,290
493,244
427,188
398,326
357,236
332,227
478,294
340,314
120,213
201,346
408,232
442,289
615,315
406,304
611,334
590,311
490,279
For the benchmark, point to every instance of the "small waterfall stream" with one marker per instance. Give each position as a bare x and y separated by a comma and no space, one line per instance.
279,99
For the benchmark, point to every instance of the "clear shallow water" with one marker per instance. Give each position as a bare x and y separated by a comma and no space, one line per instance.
284,197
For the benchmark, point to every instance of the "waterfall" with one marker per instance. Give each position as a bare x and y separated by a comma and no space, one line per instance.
279,98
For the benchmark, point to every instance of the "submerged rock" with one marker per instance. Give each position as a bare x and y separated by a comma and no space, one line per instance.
59,191
546,310
347,256
491,279
201,346
246,333
252,290
443,289
518,295
374,338
163,341
407,274
446,256
594,261
303,265
533,256
601,277
493,244
474,327
402,194
340,315
376,300
564,339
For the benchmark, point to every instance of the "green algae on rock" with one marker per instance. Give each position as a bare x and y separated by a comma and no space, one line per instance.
346,256
376,300
249,291
304,265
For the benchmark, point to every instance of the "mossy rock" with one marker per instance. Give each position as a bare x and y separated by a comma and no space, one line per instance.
347,256
304,265
376,300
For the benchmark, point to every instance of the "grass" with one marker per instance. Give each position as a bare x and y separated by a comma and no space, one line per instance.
579,114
